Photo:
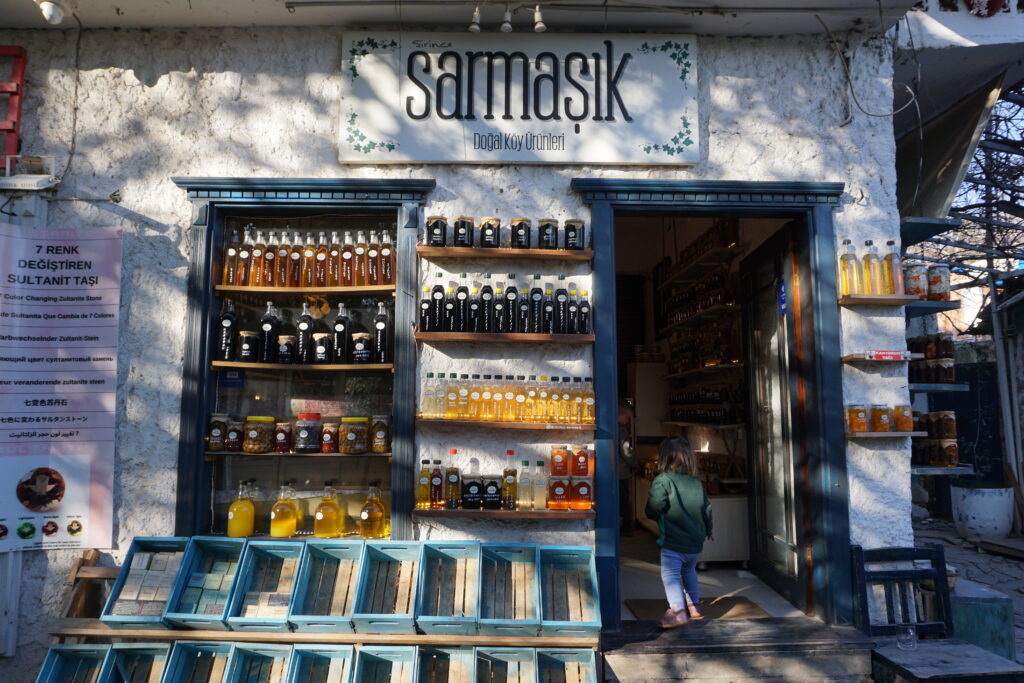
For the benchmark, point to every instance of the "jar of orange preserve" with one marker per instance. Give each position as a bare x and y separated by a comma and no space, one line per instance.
881,419
857,417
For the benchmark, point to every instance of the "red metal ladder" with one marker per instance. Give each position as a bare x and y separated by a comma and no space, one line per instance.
15,91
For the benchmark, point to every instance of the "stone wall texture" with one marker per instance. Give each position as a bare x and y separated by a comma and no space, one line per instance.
265,102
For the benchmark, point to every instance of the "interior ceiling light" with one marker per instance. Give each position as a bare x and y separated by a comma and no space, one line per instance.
474,23
538,21
53,10
506,23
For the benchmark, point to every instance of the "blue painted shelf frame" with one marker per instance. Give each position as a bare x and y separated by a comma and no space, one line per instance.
510,594
139,544
569,598
60,658
321,664
386,592
448,601
259,553
326,586
203,550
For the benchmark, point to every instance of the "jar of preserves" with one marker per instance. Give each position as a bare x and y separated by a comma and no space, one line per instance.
881,420
902,419
559,493
329,438
946,371
248,346
286,348
235,436
217,432
946,421
580,462
380,434
259,434
582,494
946,345
283,437
354,435
559,461
857,417
938,283
915,280
308,430
946,453
361,347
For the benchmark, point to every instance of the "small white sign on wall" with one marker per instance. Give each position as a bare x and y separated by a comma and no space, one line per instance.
515,98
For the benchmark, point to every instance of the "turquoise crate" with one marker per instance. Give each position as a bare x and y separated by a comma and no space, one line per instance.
321,664
257,663
199,599
445,665
380,664
509,594
264,562
326,587
568,588
131,662
73,663
506,664
197,662
132,612
568,665
448,601
386,591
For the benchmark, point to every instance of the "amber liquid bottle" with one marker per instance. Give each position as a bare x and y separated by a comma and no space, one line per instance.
230,259
284,251
334,262
323,250
308,262
256,261
269,254
373,260
295,261
242,265
348,262
436,487
452,483
387,260
509,483
360,278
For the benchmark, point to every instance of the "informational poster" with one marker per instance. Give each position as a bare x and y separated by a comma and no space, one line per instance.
59,299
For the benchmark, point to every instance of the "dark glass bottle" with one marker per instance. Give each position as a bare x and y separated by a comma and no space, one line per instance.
491,492
475,319
437,231
462,233
462,305
548,323
437,306
547,233
490,232
449,311
341,336
472,487
228,332
561,307
584,326
500,313
269,328
304,337
487,305
381,335
425,323
536,305
575,235
511,304
520,233
573,322
523,311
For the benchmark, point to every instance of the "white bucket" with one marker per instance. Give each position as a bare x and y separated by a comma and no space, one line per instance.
982,513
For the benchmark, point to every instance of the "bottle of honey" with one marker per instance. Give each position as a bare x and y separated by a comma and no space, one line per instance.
509,482
850,273
452,483
582,494
283,522
436,487
334,261
892,270
284,251
558,493
295,261
387,260
242,513
559,461
584,323
308,262
323,251
328,521
348,262
256,261
524,487
373,260
230,259
269,277
361,277
423,486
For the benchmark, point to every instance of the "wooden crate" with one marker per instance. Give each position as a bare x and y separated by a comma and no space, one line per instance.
202,591
321,664
568,586
139,596
386,591
383,664
257,663
135,663
506,664
197,662
73,664
264,586
445,665
566,666
509,594
326,587
449,595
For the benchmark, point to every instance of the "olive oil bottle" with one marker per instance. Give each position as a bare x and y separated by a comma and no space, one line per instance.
500,313
584,324
548,312
561,322
475,316
536,308
448,316
474,398
381,335
436,487
573,321
425,324
423,486
452,483
509,481
269,328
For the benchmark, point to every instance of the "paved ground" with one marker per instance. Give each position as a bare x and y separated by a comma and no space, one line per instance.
1000,573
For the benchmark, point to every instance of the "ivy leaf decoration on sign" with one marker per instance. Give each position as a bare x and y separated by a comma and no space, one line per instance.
358,140
361,48
679,53
678,142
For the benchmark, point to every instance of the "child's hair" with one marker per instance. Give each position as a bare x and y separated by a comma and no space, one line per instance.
677,456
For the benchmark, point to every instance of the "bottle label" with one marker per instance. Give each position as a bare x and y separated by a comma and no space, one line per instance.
565,397
438,295
510,479
231,515
451,396
270,256
461,296
339,327
474,489
364,515
303,326
273,515
282,348
232,252
334,253
373,253
572,309
499,306
253,433
536,297
319,516
436,481
548,308
520,398
360,251
321,257
215,432
307,254
509,395
558,458
283,253
360,345
351,436
487,395
589,401
243,254
245,347
453,478
584,490
492,489
474,306
226,323
344,255
282,436
304,433
321,349
463,392
424,481
327,437
561,298
543,394
559,491
295,256
381,326
487,297
385,252
579,400
475,396
511,296
449,306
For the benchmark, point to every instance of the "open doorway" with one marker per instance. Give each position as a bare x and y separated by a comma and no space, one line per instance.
706,350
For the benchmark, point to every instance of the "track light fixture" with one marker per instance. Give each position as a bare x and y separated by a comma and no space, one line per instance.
538,21
54,11
474,23
506,23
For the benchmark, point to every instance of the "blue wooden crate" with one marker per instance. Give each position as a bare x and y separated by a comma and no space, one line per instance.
134,662
570,665
506,664
386,591
445,664
509,594
326,587
73,663
197,662
448,600
264,563
568,586
321,664
198,599
131,612
384,663
257,662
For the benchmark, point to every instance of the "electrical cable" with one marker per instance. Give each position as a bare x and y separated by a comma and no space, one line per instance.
4,206
74,100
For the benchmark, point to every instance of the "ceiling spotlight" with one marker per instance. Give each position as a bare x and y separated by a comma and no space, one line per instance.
474,23
53,10
506,23
538,21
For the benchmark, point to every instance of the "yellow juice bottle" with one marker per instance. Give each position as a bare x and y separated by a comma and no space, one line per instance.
589,401
892,270
486,399
530,405
423,486
874,283
497,399
520,391
850,273
451,397
328,521
565,404
554,401
462,401
508,403
474,398
540,408
282,515
373,522
242,513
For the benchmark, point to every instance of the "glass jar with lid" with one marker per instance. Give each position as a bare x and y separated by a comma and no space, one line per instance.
283,437
857,417
380,434
946,424
881,418
259,434
354,435
308,428
217,432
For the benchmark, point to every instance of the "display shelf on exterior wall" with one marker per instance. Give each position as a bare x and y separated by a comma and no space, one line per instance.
916,229
696,320
918,308
920,388
716,258
506,514
934,471
211,456
883,435
711,369
541,426
877,299
291,367
680,423
504,338
583,255
367,289
864,358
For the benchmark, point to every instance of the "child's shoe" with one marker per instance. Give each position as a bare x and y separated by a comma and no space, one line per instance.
674,619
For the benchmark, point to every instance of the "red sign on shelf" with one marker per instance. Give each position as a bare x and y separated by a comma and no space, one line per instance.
887,355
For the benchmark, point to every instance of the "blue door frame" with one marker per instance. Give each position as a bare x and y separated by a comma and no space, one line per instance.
830,583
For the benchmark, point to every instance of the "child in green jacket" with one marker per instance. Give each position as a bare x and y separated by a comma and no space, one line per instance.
678,503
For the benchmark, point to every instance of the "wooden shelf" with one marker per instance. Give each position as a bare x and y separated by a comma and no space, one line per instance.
863,358
883,435
211,456
506,514
540,426
934,471
284,367
368,289
921,308
717,311
680,423
504,338
711,369
920,388
877,300
716,258
506,253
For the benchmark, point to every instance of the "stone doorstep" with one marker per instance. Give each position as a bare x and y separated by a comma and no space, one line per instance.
843,666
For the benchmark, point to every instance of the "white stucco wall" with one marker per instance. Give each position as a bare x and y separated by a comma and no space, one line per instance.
240,102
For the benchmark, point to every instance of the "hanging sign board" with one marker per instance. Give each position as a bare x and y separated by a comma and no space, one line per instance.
59,300
514,98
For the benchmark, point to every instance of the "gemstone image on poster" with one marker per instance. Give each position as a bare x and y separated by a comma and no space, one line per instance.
41,490
50,528
26,530
74,527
